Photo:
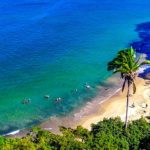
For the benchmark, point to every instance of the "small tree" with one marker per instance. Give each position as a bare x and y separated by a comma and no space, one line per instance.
127,65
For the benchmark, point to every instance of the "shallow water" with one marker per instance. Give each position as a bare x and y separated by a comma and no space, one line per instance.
52,47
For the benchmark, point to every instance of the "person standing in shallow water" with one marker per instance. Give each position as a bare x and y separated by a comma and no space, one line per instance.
87,86
26,101
59,99
46,97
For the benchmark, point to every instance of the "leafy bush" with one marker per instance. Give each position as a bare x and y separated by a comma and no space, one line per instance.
108,134
137,131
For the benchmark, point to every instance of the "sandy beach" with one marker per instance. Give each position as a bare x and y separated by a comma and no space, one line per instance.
110,102
115,106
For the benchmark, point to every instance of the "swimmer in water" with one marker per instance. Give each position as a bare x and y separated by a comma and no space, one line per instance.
58,99
87,86
46,96
26,101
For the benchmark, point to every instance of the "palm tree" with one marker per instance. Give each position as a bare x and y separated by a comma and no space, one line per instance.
127,65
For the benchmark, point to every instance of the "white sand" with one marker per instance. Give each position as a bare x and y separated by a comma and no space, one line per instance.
116,106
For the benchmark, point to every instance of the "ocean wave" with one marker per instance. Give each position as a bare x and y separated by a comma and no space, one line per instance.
142,69
12,133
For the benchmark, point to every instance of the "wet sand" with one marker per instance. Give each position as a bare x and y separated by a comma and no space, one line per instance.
116,105
110,102
110,105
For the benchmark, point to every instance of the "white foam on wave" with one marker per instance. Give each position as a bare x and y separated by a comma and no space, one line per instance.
48,128
12,133
142,69
110,96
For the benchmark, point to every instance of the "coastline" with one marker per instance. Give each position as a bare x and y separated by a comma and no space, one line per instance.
105,91
108,103
75,118
74,52
111,106
116,105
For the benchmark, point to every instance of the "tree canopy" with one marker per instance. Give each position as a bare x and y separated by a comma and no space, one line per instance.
106,135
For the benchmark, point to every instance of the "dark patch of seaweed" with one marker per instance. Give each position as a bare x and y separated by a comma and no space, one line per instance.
143,45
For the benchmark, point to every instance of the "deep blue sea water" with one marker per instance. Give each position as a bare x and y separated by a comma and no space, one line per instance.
54,47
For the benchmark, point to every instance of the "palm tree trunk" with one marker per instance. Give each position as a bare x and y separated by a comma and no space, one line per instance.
127,104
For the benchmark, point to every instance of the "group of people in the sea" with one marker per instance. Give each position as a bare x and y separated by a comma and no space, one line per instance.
47,97
26,101
56,100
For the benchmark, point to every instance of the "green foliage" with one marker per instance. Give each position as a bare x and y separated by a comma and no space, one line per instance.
145,144
136,132
108,134
127,65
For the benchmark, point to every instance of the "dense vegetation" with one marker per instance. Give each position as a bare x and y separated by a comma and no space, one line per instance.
108,134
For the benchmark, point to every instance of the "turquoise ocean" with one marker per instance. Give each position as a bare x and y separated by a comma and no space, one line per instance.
55,47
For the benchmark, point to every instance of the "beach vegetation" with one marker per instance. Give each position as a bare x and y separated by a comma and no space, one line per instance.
108,134
127,64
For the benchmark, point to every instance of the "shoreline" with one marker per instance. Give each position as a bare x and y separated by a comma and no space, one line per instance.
89,108
104,105
98,39
105,92
115,106
99,107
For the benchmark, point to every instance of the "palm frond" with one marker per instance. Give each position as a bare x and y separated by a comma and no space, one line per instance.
146,62
125,66
138,60
132,51
121,70
131,58
135,68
